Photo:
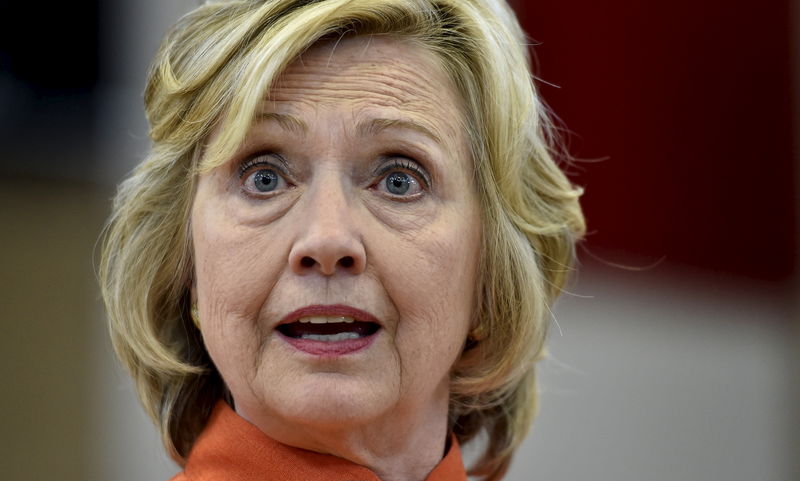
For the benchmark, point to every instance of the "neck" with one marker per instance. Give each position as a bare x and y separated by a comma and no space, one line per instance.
406,444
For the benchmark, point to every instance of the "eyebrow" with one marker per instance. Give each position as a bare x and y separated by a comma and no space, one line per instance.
286,121
366,128
376,126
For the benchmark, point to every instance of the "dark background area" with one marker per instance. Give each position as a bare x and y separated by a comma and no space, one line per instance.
689,106
50,70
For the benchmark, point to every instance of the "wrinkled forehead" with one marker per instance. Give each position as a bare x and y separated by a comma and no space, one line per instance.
371,73
375,79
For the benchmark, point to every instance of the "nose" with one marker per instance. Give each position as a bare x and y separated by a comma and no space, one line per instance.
329,240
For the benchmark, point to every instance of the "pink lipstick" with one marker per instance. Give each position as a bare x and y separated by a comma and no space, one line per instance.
329,330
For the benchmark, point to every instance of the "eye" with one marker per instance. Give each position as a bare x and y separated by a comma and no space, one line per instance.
260,176
264,180
399,183
402,179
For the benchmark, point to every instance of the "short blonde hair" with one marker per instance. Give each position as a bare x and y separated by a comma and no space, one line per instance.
213,69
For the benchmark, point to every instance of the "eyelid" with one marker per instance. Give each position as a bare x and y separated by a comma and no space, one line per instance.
260,159
405,163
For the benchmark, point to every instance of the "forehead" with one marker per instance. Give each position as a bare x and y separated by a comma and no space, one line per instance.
371,75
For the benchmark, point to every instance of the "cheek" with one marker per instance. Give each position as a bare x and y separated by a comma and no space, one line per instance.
235,270
236,252
431,279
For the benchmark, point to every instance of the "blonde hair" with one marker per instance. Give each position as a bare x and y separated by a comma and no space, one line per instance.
213,69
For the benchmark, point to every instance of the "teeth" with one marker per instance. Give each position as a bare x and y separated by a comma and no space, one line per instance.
326,320
342,336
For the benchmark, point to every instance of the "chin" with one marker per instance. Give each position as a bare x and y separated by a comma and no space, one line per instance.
334,400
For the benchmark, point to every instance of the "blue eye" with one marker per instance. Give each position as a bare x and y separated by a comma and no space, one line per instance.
398,183
265,180
260,177
402,178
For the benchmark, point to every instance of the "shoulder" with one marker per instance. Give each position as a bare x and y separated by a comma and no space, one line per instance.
181,477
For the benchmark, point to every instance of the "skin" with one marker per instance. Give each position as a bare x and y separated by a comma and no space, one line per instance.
332,233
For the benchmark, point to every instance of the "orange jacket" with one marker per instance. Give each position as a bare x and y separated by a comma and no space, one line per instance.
232,449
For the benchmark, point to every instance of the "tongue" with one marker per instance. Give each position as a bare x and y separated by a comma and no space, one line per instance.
297,329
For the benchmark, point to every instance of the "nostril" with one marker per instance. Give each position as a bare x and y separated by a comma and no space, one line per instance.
347,262
307,262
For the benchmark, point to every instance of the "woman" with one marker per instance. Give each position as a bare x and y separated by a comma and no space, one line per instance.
338,259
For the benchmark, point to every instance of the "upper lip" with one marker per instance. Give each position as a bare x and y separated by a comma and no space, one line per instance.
329,310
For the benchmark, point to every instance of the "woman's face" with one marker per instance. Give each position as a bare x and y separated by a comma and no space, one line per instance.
336,252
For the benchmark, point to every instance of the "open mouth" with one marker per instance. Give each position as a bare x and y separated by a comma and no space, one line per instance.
328,329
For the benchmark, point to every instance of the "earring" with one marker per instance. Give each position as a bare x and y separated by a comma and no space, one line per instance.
477,334
195,316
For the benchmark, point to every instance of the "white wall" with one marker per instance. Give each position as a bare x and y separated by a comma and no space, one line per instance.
666,376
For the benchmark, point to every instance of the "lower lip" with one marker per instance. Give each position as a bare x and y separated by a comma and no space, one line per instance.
330,349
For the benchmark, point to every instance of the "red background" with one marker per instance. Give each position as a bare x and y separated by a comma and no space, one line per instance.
689,105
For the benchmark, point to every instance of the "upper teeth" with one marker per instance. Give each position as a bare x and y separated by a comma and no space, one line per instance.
325,319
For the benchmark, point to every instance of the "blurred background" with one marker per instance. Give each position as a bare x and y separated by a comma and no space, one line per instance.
673,357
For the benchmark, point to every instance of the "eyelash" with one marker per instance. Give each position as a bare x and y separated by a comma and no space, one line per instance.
404,164
257,161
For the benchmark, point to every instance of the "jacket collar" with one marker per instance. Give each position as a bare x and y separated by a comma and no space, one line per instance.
232,449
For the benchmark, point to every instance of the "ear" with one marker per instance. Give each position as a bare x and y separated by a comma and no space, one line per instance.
477,330
190,280
193,313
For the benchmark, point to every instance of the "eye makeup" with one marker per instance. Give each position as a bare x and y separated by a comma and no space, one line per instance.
264,159
405,164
